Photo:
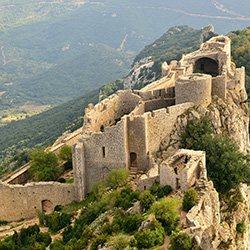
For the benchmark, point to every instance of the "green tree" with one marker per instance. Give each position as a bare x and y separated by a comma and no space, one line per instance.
190,199
166,212
117,178
65,154
227,167
146,200
44,166
180,241
150,237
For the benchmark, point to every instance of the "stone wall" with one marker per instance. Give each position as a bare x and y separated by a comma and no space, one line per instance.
196,88
104,151
137,143
109,111
183,169
22,202
160,123
219,86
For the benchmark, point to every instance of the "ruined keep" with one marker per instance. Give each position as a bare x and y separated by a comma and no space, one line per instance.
127,129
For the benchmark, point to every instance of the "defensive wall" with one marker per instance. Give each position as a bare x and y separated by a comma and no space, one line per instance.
23,202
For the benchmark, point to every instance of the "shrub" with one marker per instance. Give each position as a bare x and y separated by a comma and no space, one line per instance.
190,199
146,200
127,198
153,236
65,154
56,221
160,191
44,166
117,178
241,227
3,222
196,134
98,241
179,240
119,242
132,222
166,212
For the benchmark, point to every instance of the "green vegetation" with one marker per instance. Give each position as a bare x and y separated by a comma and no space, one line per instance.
227,167
27,239
166,212
44,166
151,237
55,221
160,191
241,52
65,154
190,199
39,131
117,178
146,200
179,240
241,227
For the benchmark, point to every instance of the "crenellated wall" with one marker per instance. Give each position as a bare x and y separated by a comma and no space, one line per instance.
160,124
110,110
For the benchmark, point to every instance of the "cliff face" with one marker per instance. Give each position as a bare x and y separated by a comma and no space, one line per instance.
213,223
229,117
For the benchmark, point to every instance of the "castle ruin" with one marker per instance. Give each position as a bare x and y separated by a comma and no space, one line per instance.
126,129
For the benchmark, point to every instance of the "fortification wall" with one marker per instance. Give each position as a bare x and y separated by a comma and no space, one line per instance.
24,201
158,104
156,94
104,151
196,88
111,109
219,86
160,123
137,142
240,78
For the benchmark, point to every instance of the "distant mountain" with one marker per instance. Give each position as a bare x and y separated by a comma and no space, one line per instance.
41,42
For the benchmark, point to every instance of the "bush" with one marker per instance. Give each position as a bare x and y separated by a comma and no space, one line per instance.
190,199
241,227
179,240
119,242
100,240
44,166
196,134
65,154
226,166
151,237
160,191
117,178
127,198
132,222
27,238
166,212
146,200
55,221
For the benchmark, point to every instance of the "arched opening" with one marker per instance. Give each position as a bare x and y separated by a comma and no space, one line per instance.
102,128
207,66
133,160
47,206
